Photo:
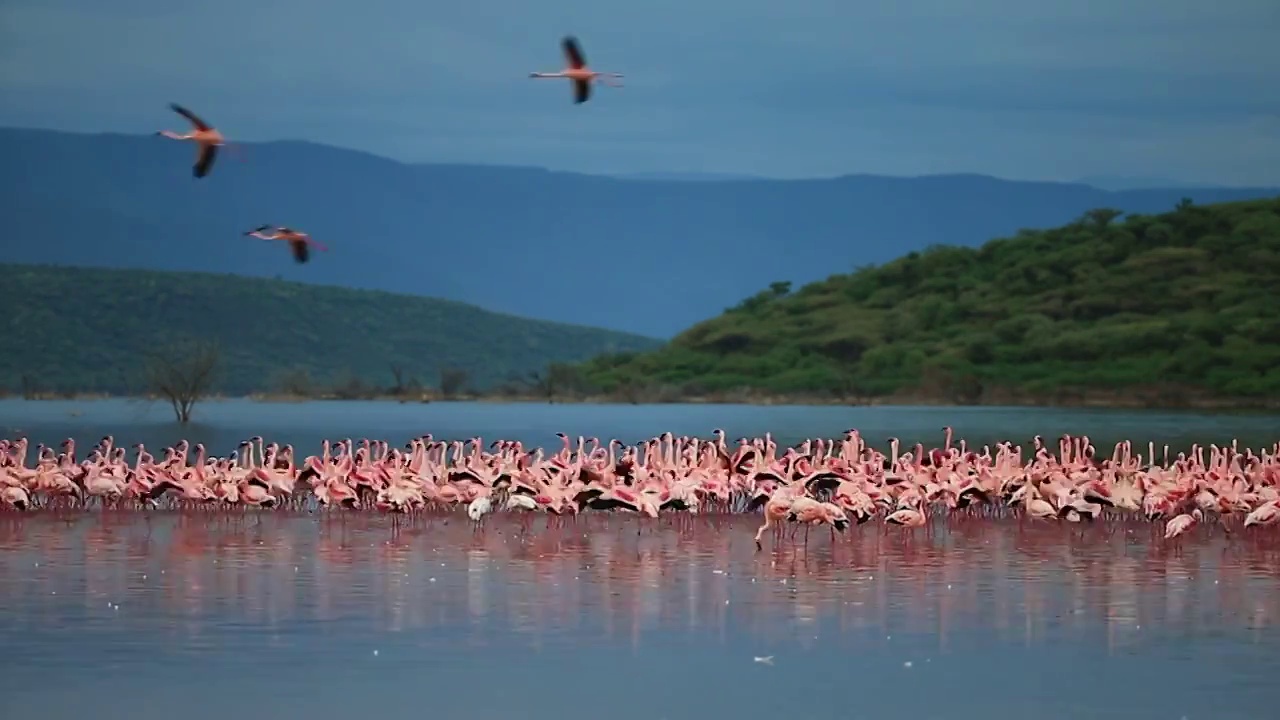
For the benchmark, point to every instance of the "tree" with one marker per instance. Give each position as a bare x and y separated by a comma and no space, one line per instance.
29,389
780,288
352,387
1183,204
1102,217
397,379
558,378
452,380
296,382
183,373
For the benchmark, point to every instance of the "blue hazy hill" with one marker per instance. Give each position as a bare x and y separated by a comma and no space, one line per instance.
644,256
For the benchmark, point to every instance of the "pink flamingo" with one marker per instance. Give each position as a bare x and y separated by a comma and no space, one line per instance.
818,513
299,242
907,517
254,490
15,497
206,138
1265,514
1182,523
578,72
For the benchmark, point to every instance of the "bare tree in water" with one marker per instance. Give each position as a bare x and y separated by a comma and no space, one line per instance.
452,381
183,373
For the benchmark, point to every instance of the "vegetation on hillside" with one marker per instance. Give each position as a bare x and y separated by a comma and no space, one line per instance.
1170,309
80,330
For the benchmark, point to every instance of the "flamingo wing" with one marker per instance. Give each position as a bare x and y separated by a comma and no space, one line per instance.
204,160
301,252
581,91
200,124
573,53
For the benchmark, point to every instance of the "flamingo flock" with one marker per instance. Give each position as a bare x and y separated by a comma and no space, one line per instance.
819,482
208,139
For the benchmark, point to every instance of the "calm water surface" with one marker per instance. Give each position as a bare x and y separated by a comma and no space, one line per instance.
278,616
305,617
221,425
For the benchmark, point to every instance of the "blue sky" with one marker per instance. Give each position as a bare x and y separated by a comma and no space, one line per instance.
1057,89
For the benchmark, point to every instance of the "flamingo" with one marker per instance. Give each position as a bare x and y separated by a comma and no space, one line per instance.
298,241
1265,514
207,140
478,508
521,502
1180,524
907,517
15,497
578,72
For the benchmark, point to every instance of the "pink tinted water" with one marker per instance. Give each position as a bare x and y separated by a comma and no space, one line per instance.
279,616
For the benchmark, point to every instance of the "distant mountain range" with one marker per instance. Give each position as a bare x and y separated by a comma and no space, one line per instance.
1101,182
1122,183
650,257
686,176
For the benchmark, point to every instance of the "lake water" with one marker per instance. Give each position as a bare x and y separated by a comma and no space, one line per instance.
278,616
223,425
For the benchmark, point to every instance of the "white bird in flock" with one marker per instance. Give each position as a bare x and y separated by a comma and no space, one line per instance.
1268,513
766,660
479,508
521,502
1182,523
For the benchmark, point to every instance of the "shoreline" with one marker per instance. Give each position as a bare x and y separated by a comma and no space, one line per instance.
1095,401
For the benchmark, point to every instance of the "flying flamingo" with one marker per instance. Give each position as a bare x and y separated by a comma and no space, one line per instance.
298,241
207,139
578,72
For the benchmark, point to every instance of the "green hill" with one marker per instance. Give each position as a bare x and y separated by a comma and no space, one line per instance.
83,330
1182,307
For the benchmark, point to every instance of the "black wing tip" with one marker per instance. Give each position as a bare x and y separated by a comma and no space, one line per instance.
573,50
